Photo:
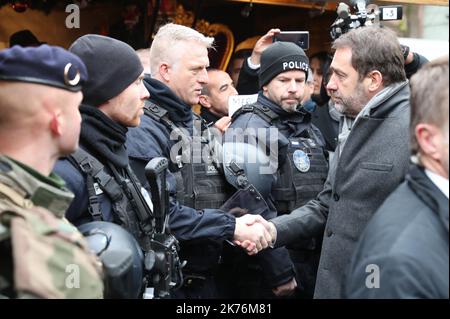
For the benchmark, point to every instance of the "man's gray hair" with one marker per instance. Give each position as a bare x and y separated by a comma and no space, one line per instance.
429,97
164,44
144,56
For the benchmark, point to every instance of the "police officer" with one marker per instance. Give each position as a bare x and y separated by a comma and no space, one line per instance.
99,173
42,255
214,99
179,58
280,126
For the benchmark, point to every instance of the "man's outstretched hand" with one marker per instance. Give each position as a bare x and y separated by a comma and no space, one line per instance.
253,233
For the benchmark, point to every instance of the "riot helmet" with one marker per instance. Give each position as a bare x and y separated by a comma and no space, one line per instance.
246,164
122,258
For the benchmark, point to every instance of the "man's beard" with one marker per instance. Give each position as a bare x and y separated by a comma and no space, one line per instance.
291,107
352,105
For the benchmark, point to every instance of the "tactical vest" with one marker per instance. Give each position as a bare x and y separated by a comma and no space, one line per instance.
127,202
200,183
305,170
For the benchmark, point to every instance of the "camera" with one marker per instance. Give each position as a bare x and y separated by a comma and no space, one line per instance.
347,21
301,38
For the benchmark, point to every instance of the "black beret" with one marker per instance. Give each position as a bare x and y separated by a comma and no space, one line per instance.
24,38
281,57
47,65
112,65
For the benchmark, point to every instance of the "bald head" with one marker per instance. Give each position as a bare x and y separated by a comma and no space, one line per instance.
217,91
32,111
24,103
40,92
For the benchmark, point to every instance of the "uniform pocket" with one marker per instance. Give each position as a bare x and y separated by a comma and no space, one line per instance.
377,167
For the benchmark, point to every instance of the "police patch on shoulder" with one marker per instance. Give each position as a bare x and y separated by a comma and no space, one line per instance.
301,161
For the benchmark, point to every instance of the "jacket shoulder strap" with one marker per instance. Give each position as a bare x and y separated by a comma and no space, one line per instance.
263,112
159,114
95,173
154,111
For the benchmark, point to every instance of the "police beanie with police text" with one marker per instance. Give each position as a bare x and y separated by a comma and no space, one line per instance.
281,57
112,66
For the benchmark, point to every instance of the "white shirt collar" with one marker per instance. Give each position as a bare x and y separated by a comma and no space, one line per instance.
439,181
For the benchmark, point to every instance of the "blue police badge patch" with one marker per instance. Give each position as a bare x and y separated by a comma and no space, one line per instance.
301,161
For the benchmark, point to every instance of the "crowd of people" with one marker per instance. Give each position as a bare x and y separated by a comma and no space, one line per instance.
332,184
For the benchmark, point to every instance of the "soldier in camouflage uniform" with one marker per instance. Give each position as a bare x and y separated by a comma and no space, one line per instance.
41,254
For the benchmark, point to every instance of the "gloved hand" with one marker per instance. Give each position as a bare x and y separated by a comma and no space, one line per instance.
286,289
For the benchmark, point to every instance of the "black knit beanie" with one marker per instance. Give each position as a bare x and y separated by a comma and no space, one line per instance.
281,57
112,66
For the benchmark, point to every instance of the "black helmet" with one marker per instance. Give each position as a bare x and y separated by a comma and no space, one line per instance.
122,258
245,164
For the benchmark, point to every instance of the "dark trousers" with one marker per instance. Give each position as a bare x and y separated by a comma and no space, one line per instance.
197,287
240,276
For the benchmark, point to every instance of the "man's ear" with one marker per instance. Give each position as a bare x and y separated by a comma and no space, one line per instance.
164,71
375,81
204,101
427,138
56,122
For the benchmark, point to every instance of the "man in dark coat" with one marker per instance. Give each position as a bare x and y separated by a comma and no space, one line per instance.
113,100
179,59
403,252
368,85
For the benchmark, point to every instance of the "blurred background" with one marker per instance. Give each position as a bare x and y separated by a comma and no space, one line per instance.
424,27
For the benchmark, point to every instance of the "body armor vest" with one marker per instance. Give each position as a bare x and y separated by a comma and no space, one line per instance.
302,175
304,171
200,183
127,202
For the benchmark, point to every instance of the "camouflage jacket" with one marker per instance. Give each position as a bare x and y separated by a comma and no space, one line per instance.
42,255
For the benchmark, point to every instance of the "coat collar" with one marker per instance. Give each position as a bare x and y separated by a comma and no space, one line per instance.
428,193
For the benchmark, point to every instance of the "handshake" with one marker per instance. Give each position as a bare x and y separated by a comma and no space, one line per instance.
253,233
